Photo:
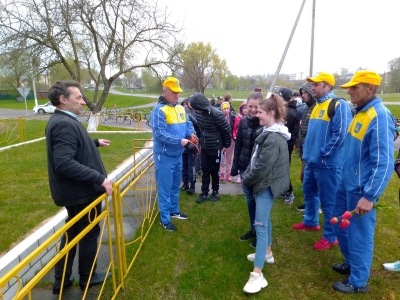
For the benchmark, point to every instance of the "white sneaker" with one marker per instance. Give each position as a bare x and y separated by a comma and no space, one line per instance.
255,284
392,266
268,258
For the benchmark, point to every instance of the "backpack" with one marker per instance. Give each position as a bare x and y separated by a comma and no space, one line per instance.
332,108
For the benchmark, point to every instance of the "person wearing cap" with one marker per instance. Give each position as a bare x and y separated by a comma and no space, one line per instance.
226,160
323,157
368,152
215,135
171,132
292,123
219,102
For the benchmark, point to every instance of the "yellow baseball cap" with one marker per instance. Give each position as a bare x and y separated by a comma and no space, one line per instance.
364,76
323,77
173,84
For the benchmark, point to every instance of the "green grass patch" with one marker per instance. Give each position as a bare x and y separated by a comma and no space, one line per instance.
26,200
204,259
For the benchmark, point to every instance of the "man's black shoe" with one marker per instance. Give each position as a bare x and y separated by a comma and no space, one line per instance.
191,190
184,187
346,287
341,268
253,244
57,285
248,236
97,278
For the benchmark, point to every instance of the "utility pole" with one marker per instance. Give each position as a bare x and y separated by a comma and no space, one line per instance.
312,40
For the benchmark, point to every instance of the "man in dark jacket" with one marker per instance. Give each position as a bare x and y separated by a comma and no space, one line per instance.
309,100
215,135
77,177
292,123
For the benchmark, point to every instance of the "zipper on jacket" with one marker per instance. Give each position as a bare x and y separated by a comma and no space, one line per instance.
356,172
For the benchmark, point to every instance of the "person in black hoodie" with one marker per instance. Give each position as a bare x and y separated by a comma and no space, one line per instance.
309,100
245,139
215,134
292,123
189,154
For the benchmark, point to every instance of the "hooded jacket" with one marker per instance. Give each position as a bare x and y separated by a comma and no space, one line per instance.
245,139
306,114
269,166
237,120
170,125
215,130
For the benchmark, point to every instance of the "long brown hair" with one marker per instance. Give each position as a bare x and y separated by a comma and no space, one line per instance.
275,103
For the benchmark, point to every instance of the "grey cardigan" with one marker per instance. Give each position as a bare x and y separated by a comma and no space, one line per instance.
272,165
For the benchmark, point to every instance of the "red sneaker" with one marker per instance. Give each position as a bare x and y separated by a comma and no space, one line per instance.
228,178
221,177
301,226
324,244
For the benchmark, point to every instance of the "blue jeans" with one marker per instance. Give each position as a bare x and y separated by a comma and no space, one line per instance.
319,186
168,177
251,203
263,225
356,241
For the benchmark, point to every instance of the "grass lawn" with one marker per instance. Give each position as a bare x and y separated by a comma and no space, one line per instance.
204,259
26,200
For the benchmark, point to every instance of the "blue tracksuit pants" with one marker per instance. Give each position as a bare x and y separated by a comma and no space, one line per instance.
319,187
168,177
356,241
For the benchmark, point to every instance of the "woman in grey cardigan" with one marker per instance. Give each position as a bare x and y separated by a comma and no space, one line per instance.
268,173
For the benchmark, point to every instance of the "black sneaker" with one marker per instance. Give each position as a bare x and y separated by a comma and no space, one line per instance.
301,207
282,196
184,187
347,288
253,244
169,227
179,215
97,278
57,285
248,236
202,198
190,190
214,196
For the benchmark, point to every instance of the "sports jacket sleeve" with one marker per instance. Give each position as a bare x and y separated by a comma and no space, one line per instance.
381,149
159,127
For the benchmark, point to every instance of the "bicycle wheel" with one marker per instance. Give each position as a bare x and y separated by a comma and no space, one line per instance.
138,117
120,119
128,120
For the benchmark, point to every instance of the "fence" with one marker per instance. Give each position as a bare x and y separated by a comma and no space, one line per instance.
133,196
12,130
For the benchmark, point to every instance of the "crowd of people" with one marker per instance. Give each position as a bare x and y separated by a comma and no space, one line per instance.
256,145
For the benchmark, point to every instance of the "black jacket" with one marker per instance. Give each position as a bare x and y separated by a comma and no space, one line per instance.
292,120
245,138
215,130
76,171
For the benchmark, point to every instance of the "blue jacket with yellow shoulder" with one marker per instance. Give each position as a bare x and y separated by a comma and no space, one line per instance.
369,153
323,146
170,125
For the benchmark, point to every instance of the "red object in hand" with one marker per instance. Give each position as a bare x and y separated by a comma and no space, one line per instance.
347,215
344,223
334,220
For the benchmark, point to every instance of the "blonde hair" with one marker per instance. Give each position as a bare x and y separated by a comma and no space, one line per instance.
275,103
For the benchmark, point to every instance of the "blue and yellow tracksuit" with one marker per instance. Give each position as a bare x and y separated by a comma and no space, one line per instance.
323,154
368,166
170,125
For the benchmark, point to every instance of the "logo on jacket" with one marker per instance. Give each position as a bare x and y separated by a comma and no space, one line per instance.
357,128
181,115
321,114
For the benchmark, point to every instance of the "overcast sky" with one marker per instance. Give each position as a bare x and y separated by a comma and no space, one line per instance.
252,35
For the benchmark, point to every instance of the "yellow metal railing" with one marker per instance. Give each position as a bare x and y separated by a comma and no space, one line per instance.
12,130
139,183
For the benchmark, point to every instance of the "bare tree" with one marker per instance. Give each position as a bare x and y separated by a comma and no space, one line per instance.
102,36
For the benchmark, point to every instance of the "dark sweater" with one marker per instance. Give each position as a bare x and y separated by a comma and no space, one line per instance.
76,171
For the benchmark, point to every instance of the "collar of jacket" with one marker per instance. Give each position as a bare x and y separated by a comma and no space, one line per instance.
162,100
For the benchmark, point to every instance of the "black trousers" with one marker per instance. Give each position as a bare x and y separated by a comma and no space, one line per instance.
210,163
188,169
87,245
